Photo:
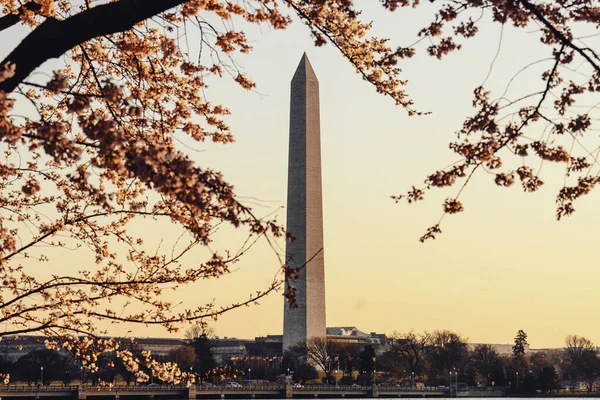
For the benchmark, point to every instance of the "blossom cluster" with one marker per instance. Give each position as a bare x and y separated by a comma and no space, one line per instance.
502,126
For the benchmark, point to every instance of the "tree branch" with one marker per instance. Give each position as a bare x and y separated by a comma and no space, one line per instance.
74,221
53,37
9,20
559,35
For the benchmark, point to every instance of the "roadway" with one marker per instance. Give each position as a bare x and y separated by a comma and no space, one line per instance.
222,392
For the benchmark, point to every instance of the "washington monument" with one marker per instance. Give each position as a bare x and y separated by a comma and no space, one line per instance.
305,210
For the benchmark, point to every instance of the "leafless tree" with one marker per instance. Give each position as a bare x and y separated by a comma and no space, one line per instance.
412,348
581,361
198,330
321,353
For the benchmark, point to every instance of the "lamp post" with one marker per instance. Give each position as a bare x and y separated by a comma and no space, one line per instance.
517,379
456,379
42,375
249,376
81,379
412,379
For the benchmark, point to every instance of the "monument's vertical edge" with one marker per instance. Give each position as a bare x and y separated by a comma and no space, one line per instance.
305,210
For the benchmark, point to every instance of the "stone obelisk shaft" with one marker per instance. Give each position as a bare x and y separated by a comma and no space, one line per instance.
305,210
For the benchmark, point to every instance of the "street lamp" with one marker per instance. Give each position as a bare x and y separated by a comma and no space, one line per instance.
374,359
412,379
517,378
456,378
42,375
249,376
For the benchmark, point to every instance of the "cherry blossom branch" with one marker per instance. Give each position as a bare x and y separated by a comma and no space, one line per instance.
14,18
52,38
77,220
398,95
140,318
559,35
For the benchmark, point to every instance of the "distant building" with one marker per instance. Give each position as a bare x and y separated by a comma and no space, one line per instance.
272,345
226,348
269,338
159,347
12,349
502,349
351,334
266,346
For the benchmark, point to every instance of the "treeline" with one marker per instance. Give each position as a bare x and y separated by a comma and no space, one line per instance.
439,358
444,358
48,366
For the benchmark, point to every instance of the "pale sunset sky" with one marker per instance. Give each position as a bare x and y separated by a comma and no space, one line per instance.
504,264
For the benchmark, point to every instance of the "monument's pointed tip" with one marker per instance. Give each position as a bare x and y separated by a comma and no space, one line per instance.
305,69
303,62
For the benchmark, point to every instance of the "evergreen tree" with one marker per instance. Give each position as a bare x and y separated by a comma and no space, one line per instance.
205,361
367,360
520,343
